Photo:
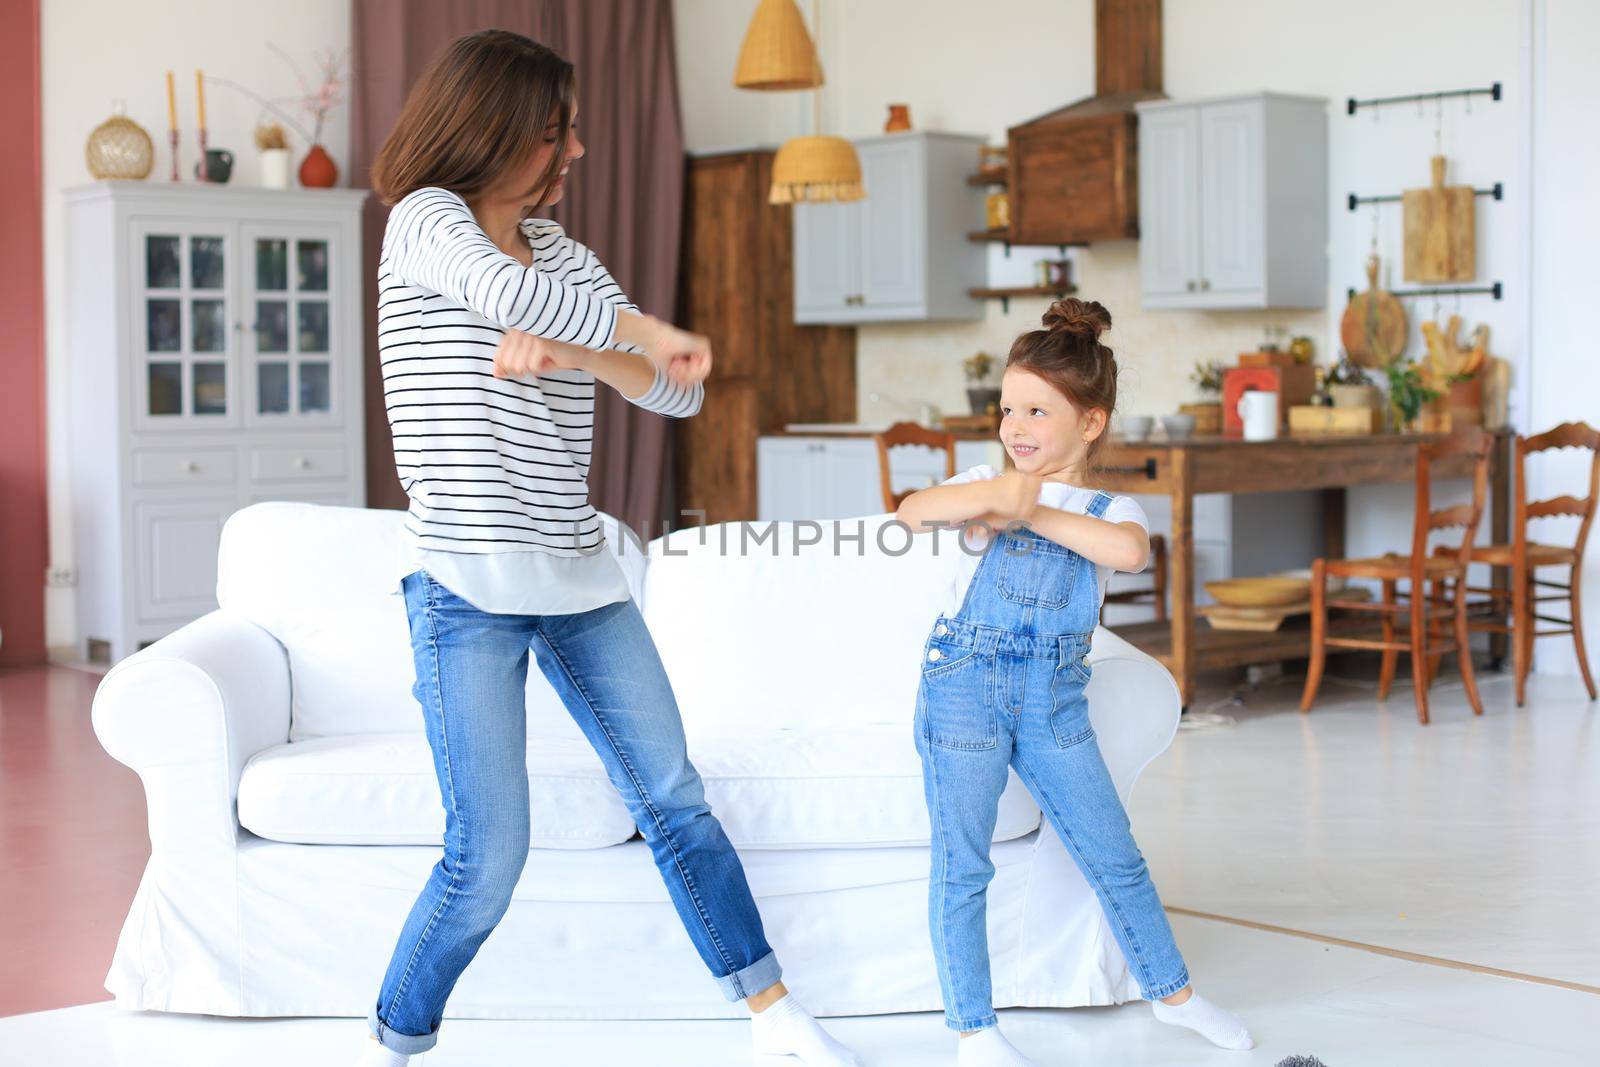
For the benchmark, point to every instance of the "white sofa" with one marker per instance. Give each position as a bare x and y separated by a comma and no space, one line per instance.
294,813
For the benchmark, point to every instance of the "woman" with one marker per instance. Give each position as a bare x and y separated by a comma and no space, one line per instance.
493,329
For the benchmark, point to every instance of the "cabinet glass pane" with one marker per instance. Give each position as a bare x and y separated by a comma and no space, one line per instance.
161,262
313,326
272,388
163,325
205,326
313,257
314,396
205,262
166,388
272,263
210,389
272,326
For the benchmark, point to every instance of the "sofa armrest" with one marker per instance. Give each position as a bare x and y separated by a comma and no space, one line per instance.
1134,704
186,713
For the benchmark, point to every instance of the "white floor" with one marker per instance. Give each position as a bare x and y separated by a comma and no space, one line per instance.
1474,841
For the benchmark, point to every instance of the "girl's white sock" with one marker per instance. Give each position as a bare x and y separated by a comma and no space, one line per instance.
1222,1028
787,1029
376,1055
989,1048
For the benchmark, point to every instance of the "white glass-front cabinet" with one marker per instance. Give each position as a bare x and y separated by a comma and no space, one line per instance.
215,338
901,254
1233,202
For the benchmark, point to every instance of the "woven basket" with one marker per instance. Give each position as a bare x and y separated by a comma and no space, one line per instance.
777,52
816,168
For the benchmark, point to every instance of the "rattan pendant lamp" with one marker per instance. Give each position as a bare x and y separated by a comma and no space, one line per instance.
779,54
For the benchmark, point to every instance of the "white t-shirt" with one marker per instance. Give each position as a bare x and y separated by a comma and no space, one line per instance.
1051,495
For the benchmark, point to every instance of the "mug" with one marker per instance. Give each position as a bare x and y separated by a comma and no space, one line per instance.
218,165
1258,410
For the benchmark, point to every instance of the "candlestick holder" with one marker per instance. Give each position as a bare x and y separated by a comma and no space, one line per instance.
172,139
202,169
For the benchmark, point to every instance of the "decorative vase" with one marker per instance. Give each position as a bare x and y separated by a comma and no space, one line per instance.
899,118
317,170
984,401
275,168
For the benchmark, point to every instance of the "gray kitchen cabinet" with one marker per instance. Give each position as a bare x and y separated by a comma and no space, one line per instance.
902,253
1233,202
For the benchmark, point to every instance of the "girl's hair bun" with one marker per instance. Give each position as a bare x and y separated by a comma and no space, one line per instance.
1086,319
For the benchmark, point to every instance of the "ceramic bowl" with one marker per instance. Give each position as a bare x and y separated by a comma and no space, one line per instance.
1136,427
1259,592
1178,427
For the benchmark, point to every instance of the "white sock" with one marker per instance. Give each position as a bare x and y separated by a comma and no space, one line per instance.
989,1048
787,1029
1222,1028
376,1055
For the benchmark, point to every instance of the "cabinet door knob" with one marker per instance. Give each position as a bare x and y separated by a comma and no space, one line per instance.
302,463
1205,283
1191,285
190,466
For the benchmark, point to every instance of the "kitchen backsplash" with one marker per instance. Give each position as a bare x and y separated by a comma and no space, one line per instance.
1156,350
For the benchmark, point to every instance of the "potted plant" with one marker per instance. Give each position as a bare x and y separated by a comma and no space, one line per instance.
1207,378
982,393
1409,395
273,144
1350,387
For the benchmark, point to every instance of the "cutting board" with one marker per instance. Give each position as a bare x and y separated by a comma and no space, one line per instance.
1440,231
1373,329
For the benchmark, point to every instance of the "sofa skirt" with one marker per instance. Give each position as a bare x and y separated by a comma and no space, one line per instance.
274,929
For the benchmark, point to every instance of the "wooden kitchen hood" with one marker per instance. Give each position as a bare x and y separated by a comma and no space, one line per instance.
1073,173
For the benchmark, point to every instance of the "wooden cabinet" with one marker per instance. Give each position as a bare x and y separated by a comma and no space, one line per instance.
216,361
1233,202
738,289
902,253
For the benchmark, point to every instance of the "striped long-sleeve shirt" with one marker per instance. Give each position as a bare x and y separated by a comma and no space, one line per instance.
489,464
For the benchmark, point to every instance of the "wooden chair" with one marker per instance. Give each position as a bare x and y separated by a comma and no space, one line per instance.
1524,558
910,433
1427,614
1156,594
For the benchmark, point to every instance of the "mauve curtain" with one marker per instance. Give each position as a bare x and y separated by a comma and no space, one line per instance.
625,199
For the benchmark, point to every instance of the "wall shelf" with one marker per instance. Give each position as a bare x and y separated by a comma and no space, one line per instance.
994,177
1005,295
1004,237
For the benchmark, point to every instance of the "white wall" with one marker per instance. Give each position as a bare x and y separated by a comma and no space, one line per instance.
1565,379
94,51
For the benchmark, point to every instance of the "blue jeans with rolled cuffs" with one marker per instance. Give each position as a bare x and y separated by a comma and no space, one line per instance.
1003,687
471,670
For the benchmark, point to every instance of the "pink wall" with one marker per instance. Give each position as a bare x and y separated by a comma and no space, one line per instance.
24,545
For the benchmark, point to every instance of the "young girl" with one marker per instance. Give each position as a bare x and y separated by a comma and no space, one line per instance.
494,328
1003,679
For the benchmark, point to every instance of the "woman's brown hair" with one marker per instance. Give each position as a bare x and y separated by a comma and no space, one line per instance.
1068,354
480,109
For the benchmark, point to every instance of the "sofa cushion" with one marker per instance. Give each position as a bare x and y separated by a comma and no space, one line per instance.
823,623
838,787
381,789
321,580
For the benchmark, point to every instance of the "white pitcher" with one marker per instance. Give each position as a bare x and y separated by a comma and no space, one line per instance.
1258,410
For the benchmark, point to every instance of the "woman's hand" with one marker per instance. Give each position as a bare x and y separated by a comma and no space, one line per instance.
684,357
1014,495
525,355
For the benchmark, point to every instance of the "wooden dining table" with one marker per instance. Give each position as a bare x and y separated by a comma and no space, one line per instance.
1222,464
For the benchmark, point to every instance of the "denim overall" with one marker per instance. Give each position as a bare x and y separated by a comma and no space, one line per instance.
1003,686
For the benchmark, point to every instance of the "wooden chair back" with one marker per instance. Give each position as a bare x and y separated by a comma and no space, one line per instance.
1474,443
1567,435
910,433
